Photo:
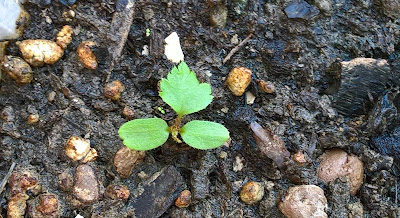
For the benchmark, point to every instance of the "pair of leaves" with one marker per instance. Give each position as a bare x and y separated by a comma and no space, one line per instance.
146,134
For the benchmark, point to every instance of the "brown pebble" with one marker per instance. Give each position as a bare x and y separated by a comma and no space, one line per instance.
299,158
17,205
238,80
183,199
117,192
77,148
266,86
48,204
304,201
17,69
252,192
86,187
21,182
113,90
86,55
126,159
64,37
128,113
90,156
337,163
33,118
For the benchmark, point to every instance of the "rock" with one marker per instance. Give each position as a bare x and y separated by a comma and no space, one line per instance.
173,49
183,199
218,15
361,77
33,118
17,69
44,206
252,192
64,37
301,9
250,98
325,6
117,192
390,8
238,80
113,90
86,55
77,148
266,86
337,163
86,188
38,52
126,159
304,201
128,113
13,20
17,205
24,181
270,145
158,193
90,156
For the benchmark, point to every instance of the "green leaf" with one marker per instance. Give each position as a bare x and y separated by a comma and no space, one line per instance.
144,134
204,134
183,92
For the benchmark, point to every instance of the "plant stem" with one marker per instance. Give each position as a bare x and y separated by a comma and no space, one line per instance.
175,129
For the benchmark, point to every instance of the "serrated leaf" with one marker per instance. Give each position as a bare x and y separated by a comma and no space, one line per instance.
204,134
183,92
144,134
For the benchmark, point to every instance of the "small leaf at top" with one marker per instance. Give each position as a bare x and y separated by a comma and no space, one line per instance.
144,134
204,134
183,92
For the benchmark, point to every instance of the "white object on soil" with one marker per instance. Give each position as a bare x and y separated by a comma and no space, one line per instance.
173,49
9,15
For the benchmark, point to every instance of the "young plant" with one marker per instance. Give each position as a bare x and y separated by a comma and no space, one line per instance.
183,92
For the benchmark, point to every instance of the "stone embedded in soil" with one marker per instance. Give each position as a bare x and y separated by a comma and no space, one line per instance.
361,78
64,37
113,90
126,159
38,52
117,192
13,19
270,145
17,205
173,49
86,55
304,201
86,188
24,181
252,192
301,9
337,163
183,199
17,68
44,206
158,193
238,80
77,148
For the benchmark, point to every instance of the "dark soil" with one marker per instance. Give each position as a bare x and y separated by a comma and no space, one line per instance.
297,55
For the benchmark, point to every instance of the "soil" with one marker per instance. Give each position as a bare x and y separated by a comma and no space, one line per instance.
295,54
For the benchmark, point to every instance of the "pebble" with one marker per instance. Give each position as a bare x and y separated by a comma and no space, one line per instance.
17,68
44,206
173,49
16,206
252,192
90,156
301,9
250,98
238,80
117,192
38,52
113,90
183,199
128,113
24,181
325,6
304,201
64,37
77,148
337,163
86,187
14,19
266,86
86,55
126,159
65,181
33,118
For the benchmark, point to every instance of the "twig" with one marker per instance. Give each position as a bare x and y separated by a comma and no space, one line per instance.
236,48
4,182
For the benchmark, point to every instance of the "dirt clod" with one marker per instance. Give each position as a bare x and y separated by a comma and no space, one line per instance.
126,159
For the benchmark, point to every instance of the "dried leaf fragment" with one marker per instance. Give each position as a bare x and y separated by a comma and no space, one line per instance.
270,145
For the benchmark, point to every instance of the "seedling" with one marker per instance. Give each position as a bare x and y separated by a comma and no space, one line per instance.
185,95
